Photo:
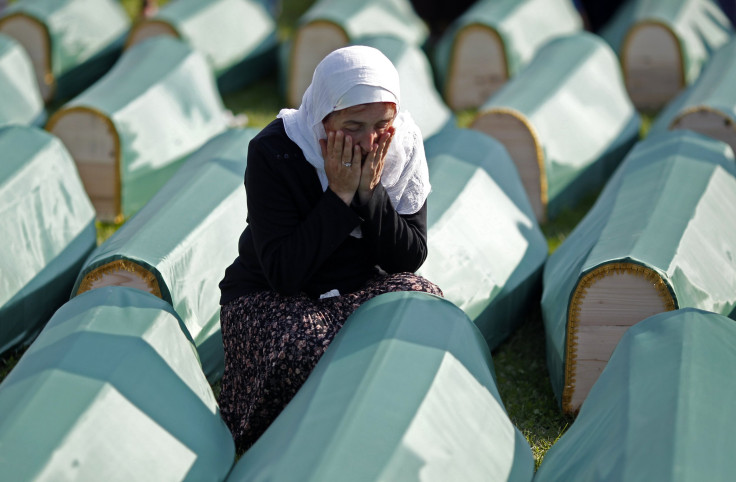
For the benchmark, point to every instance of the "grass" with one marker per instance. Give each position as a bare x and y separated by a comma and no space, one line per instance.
520,363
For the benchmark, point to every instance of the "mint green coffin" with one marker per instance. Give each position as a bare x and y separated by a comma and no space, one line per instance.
331,24
663,46
406,391
418,94
178,246
492,41
565,119
661,410
485,248
112,390
21,99
237,37
48,229
71,42
131,130
709,105
658,238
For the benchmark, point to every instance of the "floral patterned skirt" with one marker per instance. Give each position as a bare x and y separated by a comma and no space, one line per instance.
272,343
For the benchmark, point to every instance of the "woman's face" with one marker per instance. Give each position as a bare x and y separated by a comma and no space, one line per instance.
364,123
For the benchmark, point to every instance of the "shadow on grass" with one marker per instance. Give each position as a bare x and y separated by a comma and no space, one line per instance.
523,382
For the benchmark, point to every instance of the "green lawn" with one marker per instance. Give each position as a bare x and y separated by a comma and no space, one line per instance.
519,362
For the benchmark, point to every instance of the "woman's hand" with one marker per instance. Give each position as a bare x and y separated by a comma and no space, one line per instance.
372,168
342,164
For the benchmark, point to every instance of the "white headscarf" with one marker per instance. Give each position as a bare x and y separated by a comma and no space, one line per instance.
361,75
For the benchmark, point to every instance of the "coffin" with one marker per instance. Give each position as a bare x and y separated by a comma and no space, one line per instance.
21,99
237,37
709,105
130,131
71,43
406,391
660,410
663,46
48,229
485,248
492,41
112,390
565,119
178,246
657,239
331,24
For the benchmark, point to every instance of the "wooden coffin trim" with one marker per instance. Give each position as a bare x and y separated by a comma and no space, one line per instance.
543,185
728,122
457,42
633,31
119,218
291,81
573,316
48,75
142,24
98,274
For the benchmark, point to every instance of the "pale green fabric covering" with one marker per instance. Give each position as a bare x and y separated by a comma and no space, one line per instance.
161,98
666,208
86,38
662,408
237,37
418,94
21,99
187,235
714,89
406,391
573,95
700,26
524,27
47,226
359,18
486,250
112,390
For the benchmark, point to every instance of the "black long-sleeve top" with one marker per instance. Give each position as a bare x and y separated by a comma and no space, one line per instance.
298,236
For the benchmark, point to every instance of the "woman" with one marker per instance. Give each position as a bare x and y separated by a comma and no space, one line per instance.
337,213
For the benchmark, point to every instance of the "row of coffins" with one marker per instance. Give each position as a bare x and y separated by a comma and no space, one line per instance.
657,239
662,46
112,389
656,409
72,43
21,99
